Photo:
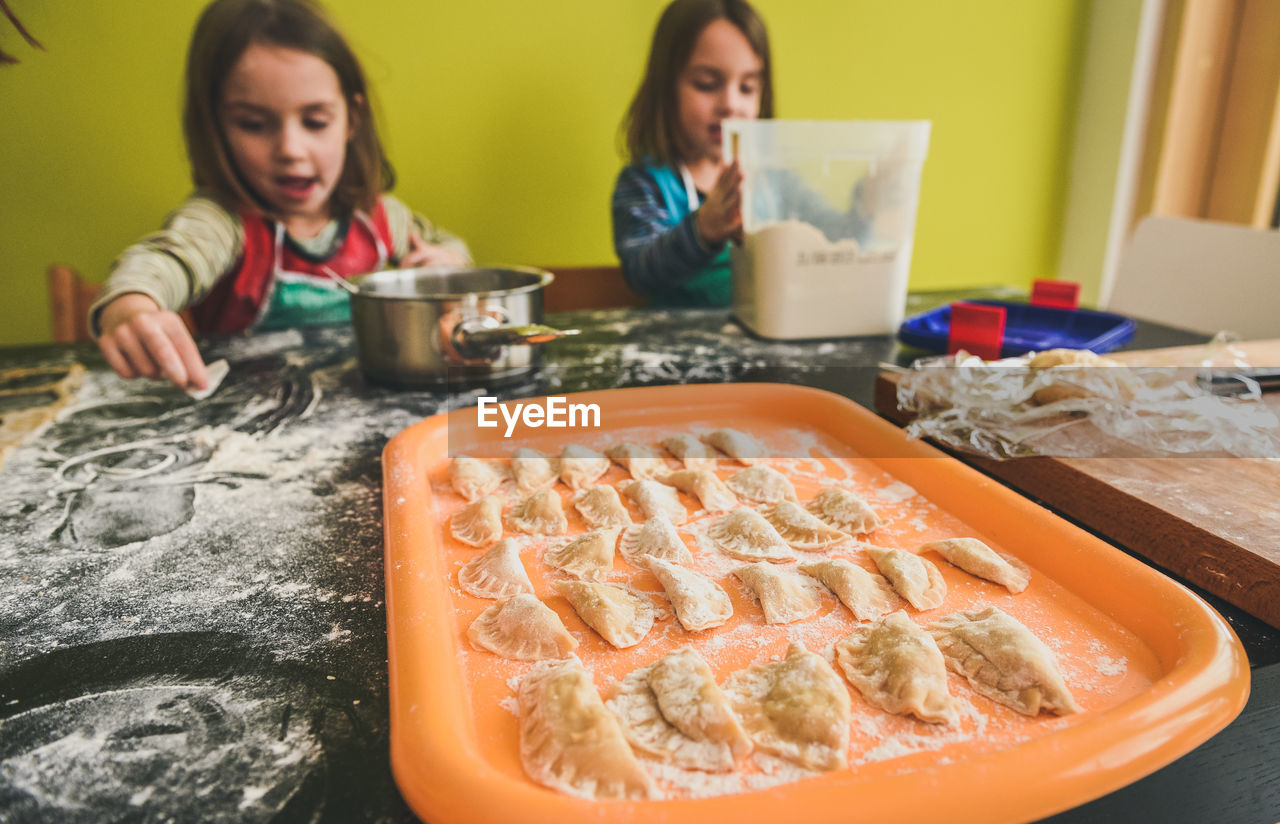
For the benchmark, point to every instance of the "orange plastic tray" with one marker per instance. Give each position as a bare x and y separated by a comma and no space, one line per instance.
1156,669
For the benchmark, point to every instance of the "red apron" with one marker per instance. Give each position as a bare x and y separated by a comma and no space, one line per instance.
239,298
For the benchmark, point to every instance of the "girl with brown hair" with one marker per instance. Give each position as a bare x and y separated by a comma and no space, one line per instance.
678,203
290,195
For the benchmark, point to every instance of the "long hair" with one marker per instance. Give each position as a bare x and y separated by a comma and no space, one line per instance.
225,30
652,123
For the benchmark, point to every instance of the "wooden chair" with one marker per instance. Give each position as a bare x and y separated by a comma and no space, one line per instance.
1201,275
588,287
69,301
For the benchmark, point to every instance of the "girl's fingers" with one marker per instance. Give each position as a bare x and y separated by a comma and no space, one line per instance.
188,354
155,339
133,351
115,359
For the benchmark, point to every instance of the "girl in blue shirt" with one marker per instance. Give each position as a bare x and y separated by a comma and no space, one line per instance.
678,203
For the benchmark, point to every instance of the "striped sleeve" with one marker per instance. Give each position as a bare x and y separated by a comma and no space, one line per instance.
179,264
658,253
401,221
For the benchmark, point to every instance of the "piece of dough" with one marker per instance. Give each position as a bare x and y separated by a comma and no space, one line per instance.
896,665
737,445
843,510
785,596
600,506
800,528
674,710
533,470
657,537
479,523
620,616
746,535
704,485
217,373
698,602
867,595
497,573
521,627
570,742
472,477
643,461
539,514
587,556
763,484
976,558
1004,661
693,453
796,708
912,577
655,498
580,466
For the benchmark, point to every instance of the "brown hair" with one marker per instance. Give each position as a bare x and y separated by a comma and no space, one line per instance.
652,122
225,30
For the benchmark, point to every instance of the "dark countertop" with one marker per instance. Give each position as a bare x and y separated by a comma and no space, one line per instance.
191,614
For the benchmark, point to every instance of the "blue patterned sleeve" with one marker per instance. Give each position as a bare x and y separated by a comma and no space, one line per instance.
658,253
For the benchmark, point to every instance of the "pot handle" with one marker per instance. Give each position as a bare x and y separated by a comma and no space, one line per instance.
480,337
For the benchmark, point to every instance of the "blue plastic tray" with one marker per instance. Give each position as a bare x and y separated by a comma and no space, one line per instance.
1027,329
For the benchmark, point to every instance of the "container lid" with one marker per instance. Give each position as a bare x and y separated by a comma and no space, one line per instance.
1027,329
779,141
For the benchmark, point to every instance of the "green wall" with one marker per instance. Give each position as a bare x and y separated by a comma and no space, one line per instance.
501,117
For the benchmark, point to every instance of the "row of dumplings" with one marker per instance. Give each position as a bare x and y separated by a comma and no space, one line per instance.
520,626
579,466
832,516
795,708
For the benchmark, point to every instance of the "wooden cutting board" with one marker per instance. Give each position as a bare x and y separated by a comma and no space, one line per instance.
1215,522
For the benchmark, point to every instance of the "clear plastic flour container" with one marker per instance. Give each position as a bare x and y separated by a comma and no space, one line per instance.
829,215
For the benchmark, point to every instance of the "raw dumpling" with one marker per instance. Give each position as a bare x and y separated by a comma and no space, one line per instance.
656,537
521,627
570,742
801,529
867,595
533,470
580,467
539,514
673,709
495,574
746,535
600,506
737,445
843,510
762,484
704,485
699,602
479,523
976,558
643,462
785,596
623,618
693,453
1004,661
796,708
472,477
654,498
587,556
897,666
913,577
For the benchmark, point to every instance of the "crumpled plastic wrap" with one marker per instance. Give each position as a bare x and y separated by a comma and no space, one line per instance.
1011,408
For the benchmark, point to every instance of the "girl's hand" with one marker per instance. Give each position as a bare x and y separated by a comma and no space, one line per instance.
140,340
422,253
719,218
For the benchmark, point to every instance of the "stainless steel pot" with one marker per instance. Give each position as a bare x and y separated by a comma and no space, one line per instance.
439,325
